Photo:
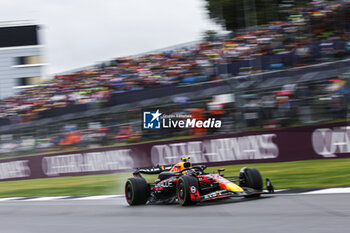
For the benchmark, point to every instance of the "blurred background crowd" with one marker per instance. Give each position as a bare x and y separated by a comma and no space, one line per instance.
248,79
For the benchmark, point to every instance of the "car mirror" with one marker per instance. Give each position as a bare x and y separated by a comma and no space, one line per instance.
221,170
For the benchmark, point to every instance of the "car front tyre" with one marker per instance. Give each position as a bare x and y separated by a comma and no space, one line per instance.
251,178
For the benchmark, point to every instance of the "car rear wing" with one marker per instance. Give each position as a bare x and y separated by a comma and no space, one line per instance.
152,170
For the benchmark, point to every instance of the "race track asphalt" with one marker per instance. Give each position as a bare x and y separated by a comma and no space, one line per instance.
276,213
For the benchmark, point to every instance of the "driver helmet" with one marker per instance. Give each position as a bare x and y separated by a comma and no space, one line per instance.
181,165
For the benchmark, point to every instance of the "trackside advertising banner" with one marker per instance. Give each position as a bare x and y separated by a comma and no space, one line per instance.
299,143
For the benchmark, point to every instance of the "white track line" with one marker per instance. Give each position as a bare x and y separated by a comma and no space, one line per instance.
45,198
10,198
328,191
278,190
99,197
51,198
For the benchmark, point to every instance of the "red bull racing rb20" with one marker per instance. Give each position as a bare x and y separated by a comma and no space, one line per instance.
187,185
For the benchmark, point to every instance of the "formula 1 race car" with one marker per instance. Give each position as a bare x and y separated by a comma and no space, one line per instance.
188,185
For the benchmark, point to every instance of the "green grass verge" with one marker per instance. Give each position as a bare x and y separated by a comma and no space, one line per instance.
298,174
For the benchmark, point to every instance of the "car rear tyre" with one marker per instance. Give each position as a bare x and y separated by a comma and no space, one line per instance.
251,178
136,191
184,187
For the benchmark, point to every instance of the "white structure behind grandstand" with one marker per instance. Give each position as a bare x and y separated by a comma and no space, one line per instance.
20,57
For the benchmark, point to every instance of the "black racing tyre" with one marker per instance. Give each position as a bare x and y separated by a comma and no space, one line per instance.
184,186
251,178
137,191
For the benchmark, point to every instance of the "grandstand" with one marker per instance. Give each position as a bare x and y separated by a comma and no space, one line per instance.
285,73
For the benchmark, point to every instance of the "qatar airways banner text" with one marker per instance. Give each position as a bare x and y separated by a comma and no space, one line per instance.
299,143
